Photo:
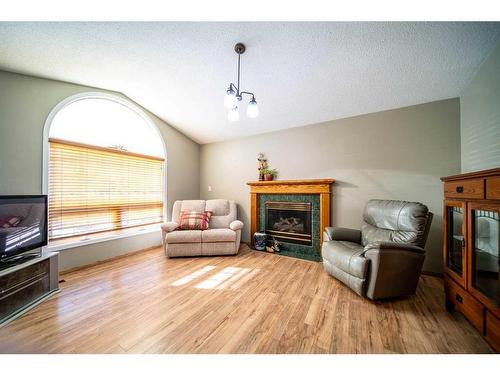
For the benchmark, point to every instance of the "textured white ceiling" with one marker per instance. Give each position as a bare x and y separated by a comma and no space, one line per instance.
301,73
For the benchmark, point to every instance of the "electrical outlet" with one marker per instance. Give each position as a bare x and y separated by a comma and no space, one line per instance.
209,187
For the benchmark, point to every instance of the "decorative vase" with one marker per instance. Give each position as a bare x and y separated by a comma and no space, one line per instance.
268,177
260,239
261,177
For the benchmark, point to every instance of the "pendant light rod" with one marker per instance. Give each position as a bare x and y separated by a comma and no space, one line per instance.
238,90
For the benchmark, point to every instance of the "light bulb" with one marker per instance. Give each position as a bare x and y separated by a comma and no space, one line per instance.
233,114
230,98
252,109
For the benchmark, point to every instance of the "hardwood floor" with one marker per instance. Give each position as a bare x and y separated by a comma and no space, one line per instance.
250,303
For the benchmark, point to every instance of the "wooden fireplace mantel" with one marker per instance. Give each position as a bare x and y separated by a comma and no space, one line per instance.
322,187
312,186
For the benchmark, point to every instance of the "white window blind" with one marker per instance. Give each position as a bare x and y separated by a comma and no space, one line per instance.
94,189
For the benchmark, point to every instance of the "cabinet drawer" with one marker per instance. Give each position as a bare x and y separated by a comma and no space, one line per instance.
493,188
472,188
493,331
465,303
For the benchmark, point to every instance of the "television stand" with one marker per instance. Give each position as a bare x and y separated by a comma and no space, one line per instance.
25,285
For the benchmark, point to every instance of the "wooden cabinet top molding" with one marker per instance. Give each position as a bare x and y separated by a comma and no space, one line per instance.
463,176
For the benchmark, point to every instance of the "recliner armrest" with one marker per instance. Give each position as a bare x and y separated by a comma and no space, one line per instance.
169,226
394,269
236,225
382,245
342,234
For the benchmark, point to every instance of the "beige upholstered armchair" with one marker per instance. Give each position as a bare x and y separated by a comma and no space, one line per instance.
383,259
222,238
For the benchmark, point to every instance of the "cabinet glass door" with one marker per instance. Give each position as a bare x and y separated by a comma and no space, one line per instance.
455,240
485,252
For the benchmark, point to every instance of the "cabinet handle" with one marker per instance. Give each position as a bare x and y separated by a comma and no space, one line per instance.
463,242
459,298
460,189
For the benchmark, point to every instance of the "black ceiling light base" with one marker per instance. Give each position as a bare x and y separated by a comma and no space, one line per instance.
239,48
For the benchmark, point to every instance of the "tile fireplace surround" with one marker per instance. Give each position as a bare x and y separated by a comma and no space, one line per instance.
313,193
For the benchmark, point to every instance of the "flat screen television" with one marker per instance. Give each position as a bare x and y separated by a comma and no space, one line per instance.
23,224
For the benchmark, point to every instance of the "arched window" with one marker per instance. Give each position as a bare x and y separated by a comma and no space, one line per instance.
105,167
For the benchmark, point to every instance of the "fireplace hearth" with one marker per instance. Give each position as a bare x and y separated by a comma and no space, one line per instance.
289,221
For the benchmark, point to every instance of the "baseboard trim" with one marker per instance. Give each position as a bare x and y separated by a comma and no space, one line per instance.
426,273
79,268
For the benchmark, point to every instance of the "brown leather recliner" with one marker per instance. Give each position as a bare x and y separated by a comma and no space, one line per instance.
383,259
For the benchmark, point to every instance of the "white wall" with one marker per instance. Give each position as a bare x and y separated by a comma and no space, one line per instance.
25,103
397,154
480,117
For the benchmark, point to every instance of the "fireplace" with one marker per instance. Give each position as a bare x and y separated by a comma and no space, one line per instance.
293,212
289,221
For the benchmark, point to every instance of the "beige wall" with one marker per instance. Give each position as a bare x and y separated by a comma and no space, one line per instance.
480,117
397,154
25,103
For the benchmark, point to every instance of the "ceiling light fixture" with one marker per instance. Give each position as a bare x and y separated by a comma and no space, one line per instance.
234,95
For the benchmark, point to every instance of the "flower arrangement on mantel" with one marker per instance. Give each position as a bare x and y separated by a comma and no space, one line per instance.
269,174
265,174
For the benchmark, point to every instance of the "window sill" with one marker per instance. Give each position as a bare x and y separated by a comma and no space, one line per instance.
69,243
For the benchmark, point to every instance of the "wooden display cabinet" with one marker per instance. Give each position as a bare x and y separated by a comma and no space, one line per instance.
471,251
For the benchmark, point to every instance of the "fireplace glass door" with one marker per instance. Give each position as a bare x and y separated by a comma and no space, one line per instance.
289,222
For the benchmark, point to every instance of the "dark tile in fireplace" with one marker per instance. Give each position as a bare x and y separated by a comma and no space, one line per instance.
309,250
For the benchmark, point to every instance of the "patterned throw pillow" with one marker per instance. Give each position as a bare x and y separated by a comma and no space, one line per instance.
10,221
192,220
